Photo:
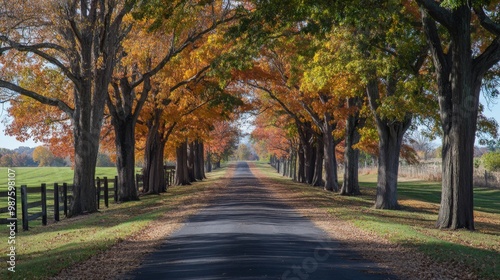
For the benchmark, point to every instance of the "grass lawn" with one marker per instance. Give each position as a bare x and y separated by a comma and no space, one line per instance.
45,250
33,177
413,225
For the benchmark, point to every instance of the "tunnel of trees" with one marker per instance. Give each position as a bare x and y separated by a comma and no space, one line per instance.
157,81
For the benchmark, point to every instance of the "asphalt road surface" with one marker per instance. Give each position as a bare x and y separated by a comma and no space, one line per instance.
246,234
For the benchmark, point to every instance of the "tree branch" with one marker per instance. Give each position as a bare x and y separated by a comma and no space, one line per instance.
437,12
40,98
430,28
486,21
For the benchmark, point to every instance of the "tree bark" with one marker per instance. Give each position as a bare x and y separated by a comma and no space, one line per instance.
125,159
201,160
153,172
390,140
331,180
390,134
84,191
191,161
181,169
350,186
301,178
208,163
459,79
317,165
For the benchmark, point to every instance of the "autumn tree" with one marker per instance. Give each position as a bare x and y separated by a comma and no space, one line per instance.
463,38
82,40
221,142
181,26
43,156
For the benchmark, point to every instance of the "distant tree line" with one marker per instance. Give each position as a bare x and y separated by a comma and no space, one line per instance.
42,156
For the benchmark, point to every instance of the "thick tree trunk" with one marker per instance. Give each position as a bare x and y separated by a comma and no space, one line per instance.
390,132
153,172
125,159
350,186
319,149
181,169
331,180
201,160
390,140
285,166
310,155
301,178
208,163
191,162
84,191
459,79
198,160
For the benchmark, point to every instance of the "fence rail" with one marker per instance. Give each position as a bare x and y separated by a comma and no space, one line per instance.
35,204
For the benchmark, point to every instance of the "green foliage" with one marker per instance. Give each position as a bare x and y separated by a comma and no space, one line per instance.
477,162
243,152
491,161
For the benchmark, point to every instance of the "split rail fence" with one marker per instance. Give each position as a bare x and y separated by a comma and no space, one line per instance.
42,202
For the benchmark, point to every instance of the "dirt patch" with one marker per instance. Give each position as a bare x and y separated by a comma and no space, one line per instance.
404,262
129,254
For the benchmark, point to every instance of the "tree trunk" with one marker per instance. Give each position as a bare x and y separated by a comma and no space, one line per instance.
390,140
201,160
125,159
198,160
153,172
331,181
84,191
318,163
301,178
209,163
181,170
191,162
310,155
459,79
350,186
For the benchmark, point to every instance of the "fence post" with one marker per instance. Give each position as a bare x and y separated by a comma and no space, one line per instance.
98,191
116,189
24,206
44,204
65,199
106,192
486,178
56,202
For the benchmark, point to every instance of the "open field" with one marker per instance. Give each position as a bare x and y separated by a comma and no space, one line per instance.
44,251
35,176
413,226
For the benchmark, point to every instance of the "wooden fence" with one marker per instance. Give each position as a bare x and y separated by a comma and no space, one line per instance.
34,208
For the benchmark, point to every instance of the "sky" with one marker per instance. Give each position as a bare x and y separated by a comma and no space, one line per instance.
492,110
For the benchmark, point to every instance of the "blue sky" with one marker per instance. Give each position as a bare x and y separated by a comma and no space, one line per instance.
492,111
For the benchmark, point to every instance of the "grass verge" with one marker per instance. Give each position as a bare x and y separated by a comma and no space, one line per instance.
43,252
412,227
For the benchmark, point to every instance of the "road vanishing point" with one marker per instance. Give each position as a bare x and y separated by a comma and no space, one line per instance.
245,233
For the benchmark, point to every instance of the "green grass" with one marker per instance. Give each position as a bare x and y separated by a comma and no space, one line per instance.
34,176
413,226
44,251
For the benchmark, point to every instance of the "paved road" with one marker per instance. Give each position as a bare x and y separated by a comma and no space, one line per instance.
246,234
